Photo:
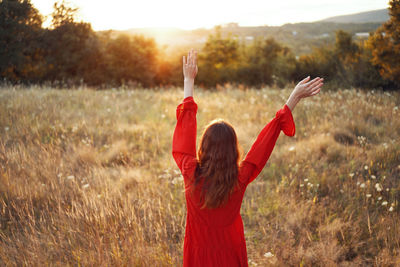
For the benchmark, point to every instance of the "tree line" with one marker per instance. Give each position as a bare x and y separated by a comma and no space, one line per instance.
71,52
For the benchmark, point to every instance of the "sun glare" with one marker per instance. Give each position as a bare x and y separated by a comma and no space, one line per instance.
122,15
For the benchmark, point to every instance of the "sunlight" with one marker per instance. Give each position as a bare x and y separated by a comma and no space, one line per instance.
123,15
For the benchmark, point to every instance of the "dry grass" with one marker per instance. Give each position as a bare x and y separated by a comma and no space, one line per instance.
87,178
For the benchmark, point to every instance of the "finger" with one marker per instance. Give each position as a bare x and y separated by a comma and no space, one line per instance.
316,87
192,56
312,82
315,92
304,80
195,58
184,60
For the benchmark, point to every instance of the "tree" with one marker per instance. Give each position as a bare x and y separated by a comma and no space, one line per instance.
131,59
20,29
385,45
71,47
218,59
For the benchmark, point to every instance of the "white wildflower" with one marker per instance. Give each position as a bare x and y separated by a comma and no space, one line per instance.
306,180
358,183
387,189
366,167
384,203
268,255
379,198
373,177
391,209
301,185
351,174
59,175
6,128
378,187
362,185
70,177
368,195
109,110
85,186
341,191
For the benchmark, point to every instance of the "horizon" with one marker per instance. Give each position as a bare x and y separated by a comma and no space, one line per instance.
126,16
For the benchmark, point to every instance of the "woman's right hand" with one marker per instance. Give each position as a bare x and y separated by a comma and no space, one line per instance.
305,88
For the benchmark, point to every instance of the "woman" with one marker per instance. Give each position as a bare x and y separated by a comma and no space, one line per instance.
215,181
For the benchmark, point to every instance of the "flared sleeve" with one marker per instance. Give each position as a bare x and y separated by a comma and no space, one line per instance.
261,149
184,138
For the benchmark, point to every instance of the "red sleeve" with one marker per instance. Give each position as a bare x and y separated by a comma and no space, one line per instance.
184,139
261,150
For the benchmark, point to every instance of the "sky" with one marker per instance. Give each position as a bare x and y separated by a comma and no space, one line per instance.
188,14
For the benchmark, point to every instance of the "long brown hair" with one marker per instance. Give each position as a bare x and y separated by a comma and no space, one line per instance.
218,159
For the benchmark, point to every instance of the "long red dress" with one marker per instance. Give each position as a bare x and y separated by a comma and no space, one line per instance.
215,237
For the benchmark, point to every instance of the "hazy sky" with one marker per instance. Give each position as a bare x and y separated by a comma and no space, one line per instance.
187,14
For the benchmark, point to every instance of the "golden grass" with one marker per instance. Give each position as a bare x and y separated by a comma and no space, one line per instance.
87,177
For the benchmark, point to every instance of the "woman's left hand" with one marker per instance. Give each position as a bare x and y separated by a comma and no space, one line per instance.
190,65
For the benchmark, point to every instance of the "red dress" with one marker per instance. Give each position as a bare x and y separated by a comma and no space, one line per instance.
215,237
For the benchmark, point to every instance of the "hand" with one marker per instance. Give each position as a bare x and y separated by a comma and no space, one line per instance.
190,65
304,88
189,72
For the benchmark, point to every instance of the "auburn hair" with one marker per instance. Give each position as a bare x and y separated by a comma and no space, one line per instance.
218,164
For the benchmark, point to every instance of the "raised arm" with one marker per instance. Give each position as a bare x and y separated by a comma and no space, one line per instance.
189,73
184,139
261,149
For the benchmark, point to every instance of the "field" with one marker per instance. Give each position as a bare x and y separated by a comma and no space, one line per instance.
87,177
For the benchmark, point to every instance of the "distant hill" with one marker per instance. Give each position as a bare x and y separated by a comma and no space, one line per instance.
380,15
301,38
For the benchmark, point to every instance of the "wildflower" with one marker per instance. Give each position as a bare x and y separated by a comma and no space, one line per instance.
341,191
85,186
292,148
373,177
368,195
351,175
362,185
387,189
6,128
268,255
43,185
306,180
378,187
109,110
379,198
301,185
59,175
358,183
391,209
384,203
70,177
366,167
162,116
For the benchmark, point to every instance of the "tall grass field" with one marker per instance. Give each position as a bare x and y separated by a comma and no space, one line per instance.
87,177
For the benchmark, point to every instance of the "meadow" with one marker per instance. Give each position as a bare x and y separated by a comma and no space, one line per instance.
87,177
